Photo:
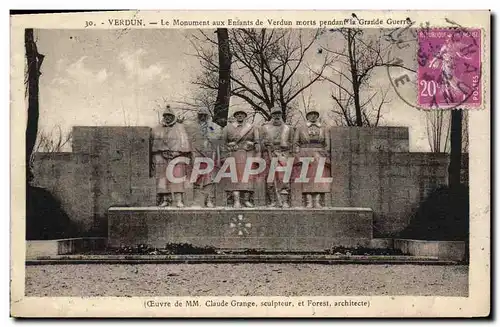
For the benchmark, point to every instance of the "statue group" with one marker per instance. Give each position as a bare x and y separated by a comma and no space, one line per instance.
241,146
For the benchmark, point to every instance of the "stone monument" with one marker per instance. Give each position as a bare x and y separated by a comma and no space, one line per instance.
107,186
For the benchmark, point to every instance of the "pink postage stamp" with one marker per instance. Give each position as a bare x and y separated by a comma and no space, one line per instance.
449,70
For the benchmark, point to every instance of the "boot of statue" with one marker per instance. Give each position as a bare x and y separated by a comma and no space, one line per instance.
236,199
178,200
317,200
163,200
209,195
309,200
199,197
210,202
272,195
284,201
247,202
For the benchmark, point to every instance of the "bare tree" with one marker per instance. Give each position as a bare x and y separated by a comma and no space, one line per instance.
298,109
437,123
221,107
54,141
455,150
465,131
201,98
357,55
447,131
268,66
34,62
50,142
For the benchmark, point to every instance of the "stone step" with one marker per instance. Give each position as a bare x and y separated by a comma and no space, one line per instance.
238,258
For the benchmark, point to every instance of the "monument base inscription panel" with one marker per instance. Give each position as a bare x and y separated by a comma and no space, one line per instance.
294,229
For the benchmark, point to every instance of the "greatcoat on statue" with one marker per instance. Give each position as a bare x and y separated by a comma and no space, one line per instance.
205,138
312,140
242,142
276,141
170,141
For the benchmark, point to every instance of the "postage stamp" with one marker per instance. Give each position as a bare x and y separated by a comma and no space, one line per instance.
449,70
250,164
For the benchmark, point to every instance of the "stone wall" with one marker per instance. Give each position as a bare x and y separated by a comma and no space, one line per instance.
110,166
67,176
372,168
392,184
119,169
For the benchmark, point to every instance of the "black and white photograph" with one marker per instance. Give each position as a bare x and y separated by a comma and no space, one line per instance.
251,163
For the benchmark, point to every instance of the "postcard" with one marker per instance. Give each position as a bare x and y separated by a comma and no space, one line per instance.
250,164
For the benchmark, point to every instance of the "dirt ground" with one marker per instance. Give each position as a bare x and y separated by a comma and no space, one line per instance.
245,279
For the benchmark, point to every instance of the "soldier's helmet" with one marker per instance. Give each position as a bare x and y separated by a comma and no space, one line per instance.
240,112
203,111
276,110
312,112
168,112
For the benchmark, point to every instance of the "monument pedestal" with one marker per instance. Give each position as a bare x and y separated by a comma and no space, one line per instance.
272,229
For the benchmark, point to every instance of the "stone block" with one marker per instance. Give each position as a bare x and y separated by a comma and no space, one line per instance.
452,250
381,243
399,133
120,169
66,177
80,245
354,140
369,139
392,184
400,145
44,248
382,132
379,145
443,250
81,135
50,248
135,231
340,141
293,229
399,171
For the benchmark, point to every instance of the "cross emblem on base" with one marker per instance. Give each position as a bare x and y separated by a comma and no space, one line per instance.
239,225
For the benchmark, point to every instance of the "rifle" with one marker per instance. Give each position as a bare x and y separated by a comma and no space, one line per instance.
275,184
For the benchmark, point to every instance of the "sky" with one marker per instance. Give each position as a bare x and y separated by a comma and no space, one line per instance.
121,77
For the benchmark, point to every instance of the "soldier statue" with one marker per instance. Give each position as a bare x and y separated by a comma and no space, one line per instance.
170,141
205,136
242,142
276,139
312,140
